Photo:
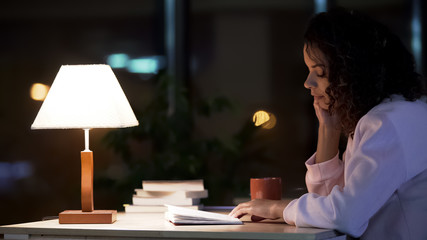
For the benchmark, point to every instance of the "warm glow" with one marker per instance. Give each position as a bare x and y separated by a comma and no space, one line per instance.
270,123
264,119
85,97
39,91
260,118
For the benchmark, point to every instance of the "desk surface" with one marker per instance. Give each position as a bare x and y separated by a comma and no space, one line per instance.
153,226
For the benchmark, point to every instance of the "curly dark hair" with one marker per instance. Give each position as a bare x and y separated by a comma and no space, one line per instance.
367,63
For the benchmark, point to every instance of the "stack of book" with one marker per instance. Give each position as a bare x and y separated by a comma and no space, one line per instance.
156,193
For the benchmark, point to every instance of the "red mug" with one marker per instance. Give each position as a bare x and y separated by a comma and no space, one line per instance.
266,188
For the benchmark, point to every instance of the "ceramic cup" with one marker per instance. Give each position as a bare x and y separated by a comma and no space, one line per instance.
266,188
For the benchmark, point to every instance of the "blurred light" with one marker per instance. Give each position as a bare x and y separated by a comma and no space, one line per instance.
15,170
416,36
260,118
39,91
118,60
416,30
10,172
264,119
147,65
270,123
21,170
143,66
5,173
320,6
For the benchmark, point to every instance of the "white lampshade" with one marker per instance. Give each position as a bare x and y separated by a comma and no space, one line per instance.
84,97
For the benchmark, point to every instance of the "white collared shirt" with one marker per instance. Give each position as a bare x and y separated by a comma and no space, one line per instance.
380,191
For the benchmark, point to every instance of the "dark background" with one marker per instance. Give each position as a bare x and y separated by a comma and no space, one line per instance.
249,52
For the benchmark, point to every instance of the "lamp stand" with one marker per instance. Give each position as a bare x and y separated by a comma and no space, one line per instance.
87,214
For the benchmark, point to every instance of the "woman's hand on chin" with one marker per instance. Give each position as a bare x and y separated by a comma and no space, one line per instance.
325,119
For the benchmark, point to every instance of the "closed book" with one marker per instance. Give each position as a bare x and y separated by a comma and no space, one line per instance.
171,194
160,201
130,208
173,185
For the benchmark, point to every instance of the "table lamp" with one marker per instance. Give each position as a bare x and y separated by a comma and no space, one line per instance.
85,97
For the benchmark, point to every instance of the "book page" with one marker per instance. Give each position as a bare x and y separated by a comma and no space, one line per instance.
181,215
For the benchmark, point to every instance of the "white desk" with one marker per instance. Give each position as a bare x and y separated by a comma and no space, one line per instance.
133,226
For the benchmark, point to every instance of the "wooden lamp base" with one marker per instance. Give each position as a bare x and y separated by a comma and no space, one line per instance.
95,216
87,214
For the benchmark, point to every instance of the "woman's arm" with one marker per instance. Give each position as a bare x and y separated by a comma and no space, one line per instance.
328,135
324,168
374,171
322,177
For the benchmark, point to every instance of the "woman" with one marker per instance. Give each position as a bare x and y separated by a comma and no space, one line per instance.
364,86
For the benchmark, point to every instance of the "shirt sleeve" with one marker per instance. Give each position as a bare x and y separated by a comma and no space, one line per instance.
373,172
322,177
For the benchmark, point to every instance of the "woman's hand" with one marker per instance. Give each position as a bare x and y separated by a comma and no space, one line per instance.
329,134
325,119
260,209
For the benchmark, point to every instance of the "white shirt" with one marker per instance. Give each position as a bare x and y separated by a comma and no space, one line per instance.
380,190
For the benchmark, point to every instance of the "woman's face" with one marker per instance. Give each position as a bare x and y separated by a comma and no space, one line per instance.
317,79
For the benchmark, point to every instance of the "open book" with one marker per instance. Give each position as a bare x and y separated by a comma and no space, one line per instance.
180,215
